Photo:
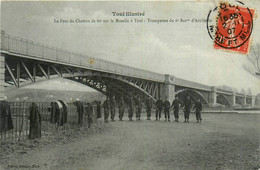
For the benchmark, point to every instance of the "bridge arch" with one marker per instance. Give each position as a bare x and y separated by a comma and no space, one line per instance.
115,85
19,73
194,95
222,99
104,83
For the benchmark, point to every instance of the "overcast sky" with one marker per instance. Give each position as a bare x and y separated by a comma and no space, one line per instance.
184,50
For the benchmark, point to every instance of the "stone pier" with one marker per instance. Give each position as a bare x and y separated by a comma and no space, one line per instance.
213,97
2,77
167,89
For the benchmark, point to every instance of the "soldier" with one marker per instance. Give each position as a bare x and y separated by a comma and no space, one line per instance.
167,106
98,103
121,106
187,107
106,106
198,107
89,111
138,110
176,107
113,108
130,108
159,107
149,105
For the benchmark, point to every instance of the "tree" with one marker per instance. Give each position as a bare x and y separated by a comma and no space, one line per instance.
254,61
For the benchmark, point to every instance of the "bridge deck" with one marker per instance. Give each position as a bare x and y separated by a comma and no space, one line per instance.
26,48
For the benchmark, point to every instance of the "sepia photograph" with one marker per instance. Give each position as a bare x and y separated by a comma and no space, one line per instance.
130,85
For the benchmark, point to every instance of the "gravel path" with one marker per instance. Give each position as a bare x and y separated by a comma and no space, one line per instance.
221,141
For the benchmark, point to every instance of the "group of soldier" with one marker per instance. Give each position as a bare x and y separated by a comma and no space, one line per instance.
110,106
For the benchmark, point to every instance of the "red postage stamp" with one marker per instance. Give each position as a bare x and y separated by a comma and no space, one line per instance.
233,27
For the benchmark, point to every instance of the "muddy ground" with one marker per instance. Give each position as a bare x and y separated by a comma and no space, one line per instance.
221,141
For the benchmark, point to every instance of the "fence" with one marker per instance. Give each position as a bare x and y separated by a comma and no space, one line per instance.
21,123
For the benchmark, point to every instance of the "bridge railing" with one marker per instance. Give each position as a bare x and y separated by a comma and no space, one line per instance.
186,83
21,46
224,91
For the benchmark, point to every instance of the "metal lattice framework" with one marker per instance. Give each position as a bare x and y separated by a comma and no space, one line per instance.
194,94
239,100
19,73
223,99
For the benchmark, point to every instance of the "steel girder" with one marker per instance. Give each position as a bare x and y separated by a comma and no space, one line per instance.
239,100
194,94
224,100
21,72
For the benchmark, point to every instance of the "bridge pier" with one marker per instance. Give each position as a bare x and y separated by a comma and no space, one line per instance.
253,101
233,99
2,77
244,100
167,89
213,97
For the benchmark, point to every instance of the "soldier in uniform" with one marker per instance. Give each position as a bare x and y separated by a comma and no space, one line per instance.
198,107
113,108
121,106
187,107
106,106
176,107
159,107
138,107
149,105
130,108
167,106
89,111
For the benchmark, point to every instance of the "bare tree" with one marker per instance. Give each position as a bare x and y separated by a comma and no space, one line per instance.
254,61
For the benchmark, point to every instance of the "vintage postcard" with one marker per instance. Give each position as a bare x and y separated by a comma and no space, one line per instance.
130,85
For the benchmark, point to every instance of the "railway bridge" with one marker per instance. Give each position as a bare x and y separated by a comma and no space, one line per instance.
23,62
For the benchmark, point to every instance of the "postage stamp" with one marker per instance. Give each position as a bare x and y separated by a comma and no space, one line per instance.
233,27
